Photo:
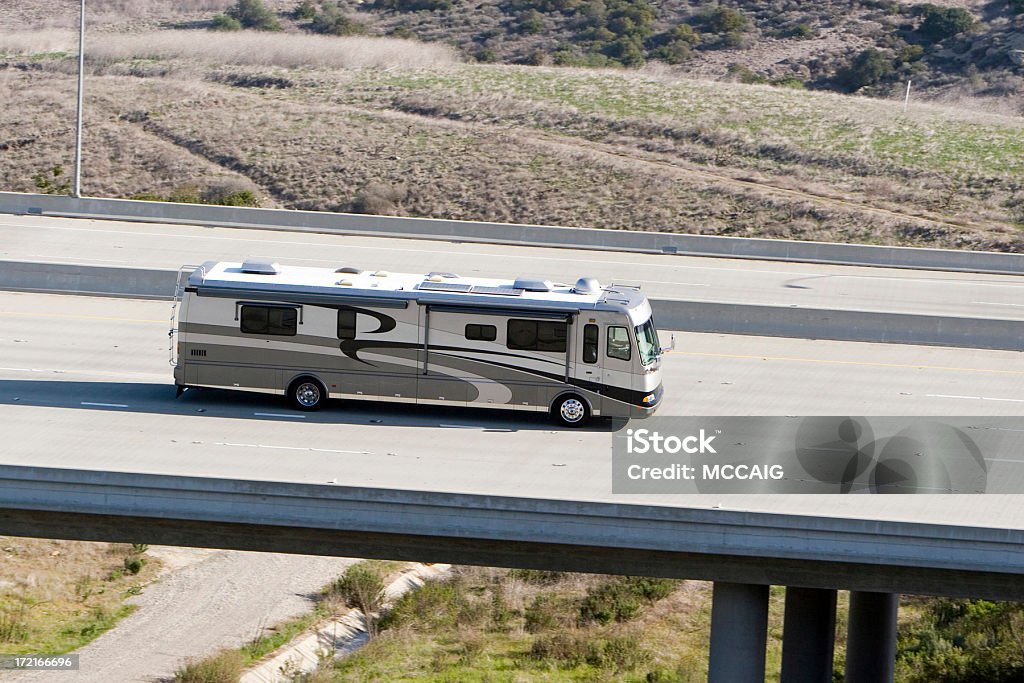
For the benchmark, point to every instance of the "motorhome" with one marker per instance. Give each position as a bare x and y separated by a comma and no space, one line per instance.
576,350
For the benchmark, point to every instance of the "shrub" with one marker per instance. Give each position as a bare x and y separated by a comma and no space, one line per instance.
743,74
433,606
611,602
724,20
378,198
331,21
675,46
940,23
549,611
223,22
224,667
413,5
531,22
566,649
362,588
52,181
304,11
624,653
254,14
14,623
134,565
867,68
537,577
622,598
621,653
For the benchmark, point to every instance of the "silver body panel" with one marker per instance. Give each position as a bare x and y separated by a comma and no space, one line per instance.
408,346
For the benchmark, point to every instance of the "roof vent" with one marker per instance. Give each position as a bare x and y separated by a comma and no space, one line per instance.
260,266
440,274
533,285
349,270
587,285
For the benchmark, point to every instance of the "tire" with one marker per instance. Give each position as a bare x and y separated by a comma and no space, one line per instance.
570,410
307,393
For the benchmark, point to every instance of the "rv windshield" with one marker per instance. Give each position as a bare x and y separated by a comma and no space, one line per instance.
647,341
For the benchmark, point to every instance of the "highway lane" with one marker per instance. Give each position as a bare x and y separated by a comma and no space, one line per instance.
63,240
84,383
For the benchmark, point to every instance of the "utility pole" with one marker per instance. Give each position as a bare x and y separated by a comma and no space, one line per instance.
906,101
77,191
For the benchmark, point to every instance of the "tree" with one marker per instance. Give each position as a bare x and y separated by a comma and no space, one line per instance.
940,23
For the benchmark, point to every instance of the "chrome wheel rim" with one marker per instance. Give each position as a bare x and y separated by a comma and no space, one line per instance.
572,410
308,394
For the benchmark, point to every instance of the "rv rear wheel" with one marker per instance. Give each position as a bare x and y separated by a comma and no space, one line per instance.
307,393
571,411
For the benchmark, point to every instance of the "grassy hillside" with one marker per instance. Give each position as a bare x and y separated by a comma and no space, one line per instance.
500,625
397,127
950,48
56,596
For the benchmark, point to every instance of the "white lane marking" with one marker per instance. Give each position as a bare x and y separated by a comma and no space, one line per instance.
75,259
684,284
28,370
105,405
994,303
459,426
976,398
291,448
504,256
294,417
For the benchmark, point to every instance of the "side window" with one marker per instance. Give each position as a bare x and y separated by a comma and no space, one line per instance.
618,343
346,324
537,335
590,336
481,332
275,320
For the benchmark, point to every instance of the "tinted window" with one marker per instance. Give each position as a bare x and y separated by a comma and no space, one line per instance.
346,324
537,335
481,332
590,343
618,343
277,320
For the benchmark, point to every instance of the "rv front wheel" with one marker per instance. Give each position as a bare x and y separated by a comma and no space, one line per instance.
571,411
307,393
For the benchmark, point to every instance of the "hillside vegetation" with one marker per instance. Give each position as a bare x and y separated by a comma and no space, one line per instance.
501,625
56,596
954,48
348,124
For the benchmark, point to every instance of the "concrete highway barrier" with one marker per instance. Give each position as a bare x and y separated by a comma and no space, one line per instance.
625,538
670,314
521,235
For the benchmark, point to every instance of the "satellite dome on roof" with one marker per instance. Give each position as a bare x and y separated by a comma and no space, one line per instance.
587,285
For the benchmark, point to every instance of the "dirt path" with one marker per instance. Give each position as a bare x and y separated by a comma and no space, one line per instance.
220,601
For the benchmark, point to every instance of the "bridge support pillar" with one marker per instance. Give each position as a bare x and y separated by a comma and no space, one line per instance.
808,638
739,630
871,637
